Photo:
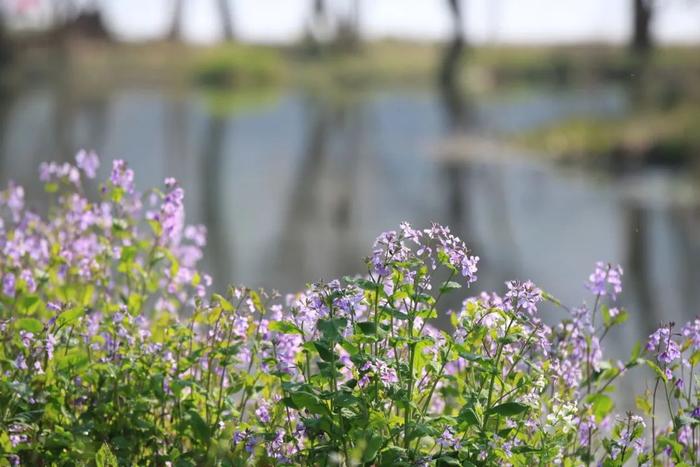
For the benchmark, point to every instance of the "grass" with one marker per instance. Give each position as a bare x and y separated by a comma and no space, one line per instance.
370,64
667,137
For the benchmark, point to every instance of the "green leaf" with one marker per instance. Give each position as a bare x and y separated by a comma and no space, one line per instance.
74,358
199,427
310,402
643,404
449,285
289,403
551,298
231,350
344,399
366,284
134,303
257,302
284,327
601,404
29,324
395,313
447,460
28,304
524,449
105,457
324,352
331,328
509,409
468,415
695,358
374,444
70,316
129,254
472,357
420,430
367,328
636,351
659,372
225,304
684,419
393,456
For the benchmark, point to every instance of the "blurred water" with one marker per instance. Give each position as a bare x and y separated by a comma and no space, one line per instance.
296,189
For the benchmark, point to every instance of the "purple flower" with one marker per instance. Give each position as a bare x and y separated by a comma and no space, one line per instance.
586,427
603,276
50,345
388,247
523,296
656,337
27,338
448,440
287,347
678,384
435,243
122,176
16,435
456,251
196,233
387,375
88,162
172,216
278,449
14,198
8,284
240,326
671,353
28,279
263,411
65,171
661,342
251,443
20,362
696,412
239,436
692,331
685,435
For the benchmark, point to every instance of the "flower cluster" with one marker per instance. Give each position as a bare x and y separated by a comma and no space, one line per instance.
606,279
114,351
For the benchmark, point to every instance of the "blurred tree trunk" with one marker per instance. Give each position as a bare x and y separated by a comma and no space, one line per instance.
175,32
319,10
319,19
453,52
456,12
356,8
641,31
4,43
318,32
226,23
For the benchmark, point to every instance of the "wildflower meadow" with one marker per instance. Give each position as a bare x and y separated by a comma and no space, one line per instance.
115,351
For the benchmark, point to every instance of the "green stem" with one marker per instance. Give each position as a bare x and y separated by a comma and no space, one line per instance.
493,376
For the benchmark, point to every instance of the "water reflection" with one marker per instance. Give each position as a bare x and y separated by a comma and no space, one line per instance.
297,189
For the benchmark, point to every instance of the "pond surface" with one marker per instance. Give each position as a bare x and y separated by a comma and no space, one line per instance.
296,189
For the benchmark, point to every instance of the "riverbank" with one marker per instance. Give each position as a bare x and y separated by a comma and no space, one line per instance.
661,126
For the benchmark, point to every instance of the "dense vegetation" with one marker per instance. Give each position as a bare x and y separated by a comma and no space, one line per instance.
114,352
